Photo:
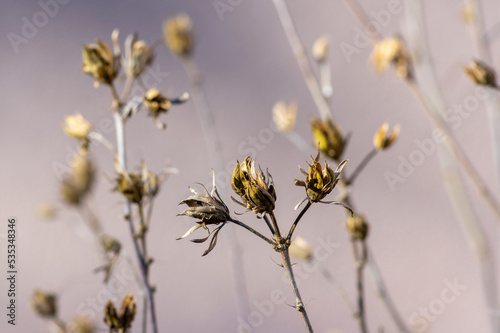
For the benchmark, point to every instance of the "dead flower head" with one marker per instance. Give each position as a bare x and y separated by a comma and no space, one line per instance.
331,141
285,116
482,74
156,104
256,190
209,209
123,319
135,186
77,127
78,183
100,62
178,33
137,56
391,51
44,304
382,139
357,226
320,182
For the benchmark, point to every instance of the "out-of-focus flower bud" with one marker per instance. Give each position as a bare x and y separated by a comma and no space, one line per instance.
481,74
331,141
100,62
320,49
44,304
357,226
284,116
391,50
178,32
300,249
383,139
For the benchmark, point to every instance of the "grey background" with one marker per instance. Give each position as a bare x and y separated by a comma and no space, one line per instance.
248,65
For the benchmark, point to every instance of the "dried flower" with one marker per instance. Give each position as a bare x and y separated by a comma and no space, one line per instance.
284,116
300,249
130,185
110,245
320,182
320,49
255,190
331,141
209,209
100,62
383,140
156,104
357,226
391,50
75,186
44,304
137,56
76,126
80,325
123,319
178,33
481,74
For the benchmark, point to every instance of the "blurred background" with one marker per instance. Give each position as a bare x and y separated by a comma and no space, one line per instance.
247,65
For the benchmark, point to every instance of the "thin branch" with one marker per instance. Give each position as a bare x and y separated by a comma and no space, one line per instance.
360,14
253,231
360,259
299,304
275,225
294,225
301,57
364,162
269,224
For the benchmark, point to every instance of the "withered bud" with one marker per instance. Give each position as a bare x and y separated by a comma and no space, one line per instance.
130,185
76,126
178,33
284,116
78,184
300,249
320,182
482,74
137,56
357,226
100,62
331,141
391,50
382,139
44,304
256,190
320,49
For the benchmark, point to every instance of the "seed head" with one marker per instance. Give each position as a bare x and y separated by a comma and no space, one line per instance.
100,62
482,74
382,139
44,304
391,50
331,141
357,226
256,190
284,116
137,56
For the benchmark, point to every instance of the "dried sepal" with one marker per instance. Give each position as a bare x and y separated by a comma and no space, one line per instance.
382,139
255,189
44,304
391,51
285,116
178,33
331,141
481,74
